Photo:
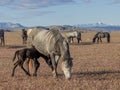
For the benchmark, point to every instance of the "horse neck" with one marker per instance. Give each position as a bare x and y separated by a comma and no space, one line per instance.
64,49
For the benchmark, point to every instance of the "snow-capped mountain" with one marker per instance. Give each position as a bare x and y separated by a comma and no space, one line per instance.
99,25
96,26
10,25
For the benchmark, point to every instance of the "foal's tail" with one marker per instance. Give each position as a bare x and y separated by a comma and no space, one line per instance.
15,55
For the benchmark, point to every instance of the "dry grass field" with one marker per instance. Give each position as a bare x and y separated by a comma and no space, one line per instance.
95,66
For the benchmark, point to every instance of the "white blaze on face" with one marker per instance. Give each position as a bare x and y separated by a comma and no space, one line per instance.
66,70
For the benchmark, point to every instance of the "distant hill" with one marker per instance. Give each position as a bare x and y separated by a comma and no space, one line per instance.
5,25
99,26
96,27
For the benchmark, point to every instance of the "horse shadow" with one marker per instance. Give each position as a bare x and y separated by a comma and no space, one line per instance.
98,75
82,43
14,46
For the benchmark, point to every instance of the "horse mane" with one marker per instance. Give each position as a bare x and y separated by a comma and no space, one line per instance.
57,34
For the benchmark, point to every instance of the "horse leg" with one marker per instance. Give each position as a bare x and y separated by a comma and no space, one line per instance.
3,41
52,56
37,64
0,42
69,39
48,61
78,40
31,66
26,64
57,57
94,39
100,40
72,40
23,40
21,65
108,39
15,65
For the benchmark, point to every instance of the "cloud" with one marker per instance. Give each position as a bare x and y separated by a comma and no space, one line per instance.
5,2
37,13
31,4
87,1
29,15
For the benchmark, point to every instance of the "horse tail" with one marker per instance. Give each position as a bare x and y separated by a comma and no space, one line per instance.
15,55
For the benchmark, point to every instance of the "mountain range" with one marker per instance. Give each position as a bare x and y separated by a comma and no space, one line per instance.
99,25
4,25
96,26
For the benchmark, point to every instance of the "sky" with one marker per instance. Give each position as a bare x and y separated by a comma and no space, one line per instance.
60,12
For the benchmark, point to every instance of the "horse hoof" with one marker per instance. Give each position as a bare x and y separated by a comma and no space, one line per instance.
28,74
55,76
35,75
12,75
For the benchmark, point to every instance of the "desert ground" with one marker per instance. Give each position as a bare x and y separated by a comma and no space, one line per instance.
95,66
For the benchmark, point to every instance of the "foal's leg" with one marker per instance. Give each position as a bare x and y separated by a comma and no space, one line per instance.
15,65
36,64
26,64
21,65
48,61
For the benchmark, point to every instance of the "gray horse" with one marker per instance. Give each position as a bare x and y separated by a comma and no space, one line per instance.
2,37
100,35
70,35
52,43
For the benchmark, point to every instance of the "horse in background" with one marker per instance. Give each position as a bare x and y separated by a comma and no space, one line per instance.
100,35
24,36
28,31
2,37
70,35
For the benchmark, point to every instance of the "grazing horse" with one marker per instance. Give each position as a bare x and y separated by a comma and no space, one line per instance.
24,36
100,35
72,34
2,37
52,43
26,54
